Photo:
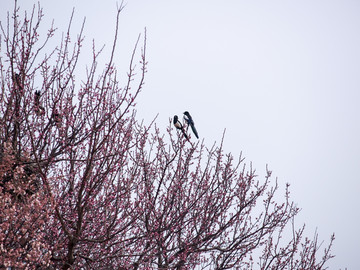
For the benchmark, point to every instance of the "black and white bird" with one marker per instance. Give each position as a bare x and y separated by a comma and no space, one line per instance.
39,110
190,122
56,118
17,80
178,125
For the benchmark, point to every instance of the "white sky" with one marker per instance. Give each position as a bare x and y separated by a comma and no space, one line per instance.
283,78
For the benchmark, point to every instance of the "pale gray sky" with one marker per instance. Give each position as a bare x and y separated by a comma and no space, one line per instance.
283,78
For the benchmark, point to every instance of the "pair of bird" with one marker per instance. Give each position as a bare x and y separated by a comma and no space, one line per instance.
189,121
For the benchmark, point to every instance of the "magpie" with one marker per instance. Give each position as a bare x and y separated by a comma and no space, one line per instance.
17,80
57,118
191,123
178,125
39,110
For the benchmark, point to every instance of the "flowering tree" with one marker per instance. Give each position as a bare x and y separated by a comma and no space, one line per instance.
85,185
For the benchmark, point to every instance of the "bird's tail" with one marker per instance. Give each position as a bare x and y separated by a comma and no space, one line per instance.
185,135
195,131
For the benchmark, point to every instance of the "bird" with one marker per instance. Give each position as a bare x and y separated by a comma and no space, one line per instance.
39,110
17,80
57,118
178,125
190,122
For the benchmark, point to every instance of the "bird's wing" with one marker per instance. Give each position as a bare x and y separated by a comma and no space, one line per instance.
187,120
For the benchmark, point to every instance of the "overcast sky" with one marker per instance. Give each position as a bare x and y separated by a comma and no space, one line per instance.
282,77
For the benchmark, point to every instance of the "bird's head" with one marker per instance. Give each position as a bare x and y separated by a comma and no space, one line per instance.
175,119
187,113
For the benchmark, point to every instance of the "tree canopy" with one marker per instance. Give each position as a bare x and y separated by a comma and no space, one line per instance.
85,185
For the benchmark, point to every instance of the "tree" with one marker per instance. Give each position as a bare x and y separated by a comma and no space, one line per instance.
83,184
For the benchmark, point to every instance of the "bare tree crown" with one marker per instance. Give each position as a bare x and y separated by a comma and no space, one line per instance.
84,185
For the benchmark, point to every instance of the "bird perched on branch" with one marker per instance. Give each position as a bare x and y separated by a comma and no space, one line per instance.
57,118
17,80
191,123
178,125
39,110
